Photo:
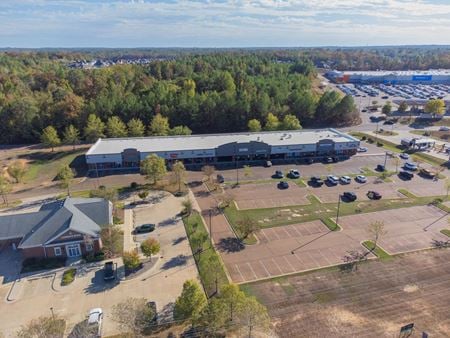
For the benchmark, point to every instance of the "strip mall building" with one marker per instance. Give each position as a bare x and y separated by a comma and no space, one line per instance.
197,150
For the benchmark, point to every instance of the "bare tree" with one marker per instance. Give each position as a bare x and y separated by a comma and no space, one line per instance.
376,229
133,315
247,226
43,327
352,259
225,200
208,170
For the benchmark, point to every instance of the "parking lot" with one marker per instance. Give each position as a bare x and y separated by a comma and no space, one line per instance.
267,195
301,247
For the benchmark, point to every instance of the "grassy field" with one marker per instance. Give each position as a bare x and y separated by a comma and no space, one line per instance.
209,264
439,135
379,252
45,165
272,217
446,232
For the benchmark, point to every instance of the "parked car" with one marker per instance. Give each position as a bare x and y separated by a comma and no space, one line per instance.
283,185
220,178
362,149
144,228
444,128
373,195
427,173
316,181
380,167
109,272
278,174
345,180
268,164
333,180
349,196
328,160
361,179
405,175
410,166
94,322
404,156
293,173
364,110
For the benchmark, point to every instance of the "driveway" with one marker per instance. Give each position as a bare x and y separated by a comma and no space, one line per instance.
162,284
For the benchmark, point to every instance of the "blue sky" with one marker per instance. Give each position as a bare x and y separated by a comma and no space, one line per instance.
223,23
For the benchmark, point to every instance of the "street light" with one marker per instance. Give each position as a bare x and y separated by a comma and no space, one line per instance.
53,314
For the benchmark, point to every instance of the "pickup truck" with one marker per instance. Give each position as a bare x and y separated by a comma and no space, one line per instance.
109,271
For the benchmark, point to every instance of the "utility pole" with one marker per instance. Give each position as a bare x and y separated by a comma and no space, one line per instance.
385,159
338,208
53,314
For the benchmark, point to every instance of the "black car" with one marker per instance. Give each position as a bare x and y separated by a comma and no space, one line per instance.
381,167
278,174
349,196
406,175
389,122
220,178
144,228
283,185
373,195
109,272
316,181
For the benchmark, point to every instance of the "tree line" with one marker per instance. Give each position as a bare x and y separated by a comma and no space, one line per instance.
219,92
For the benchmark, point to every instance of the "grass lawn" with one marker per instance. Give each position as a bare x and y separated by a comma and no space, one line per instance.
208,262
379,252
439,135
272,217
47,165
446,232
10,204
387,133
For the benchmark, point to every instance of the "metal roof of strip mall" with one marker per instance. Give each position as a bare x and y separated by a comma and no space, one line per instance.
211,141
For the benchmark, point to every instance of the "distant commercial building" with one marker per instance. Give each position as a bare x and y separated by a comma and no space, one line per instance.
438,76
197,150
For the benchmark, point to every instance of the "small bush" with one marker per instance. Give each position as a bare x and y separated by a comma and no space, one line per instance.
134,185
35,264
437,201
97,257
68,276
364,138
379,144
370,140
131,260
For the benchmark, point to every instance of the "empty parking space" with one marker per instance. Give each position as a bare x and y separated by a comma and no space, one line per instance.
267,195
301,247
424,187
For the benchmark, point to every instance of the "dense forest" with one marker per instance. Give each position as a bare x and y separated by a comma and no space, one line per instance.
220,92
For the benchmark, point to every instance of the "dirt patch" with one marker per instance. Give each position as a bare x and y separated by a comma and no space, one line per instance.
375,301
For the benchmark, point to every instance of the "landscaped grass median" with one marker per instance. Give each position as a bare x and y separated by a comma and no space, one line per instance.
332,225
208,262
270,217
445,232
380,253
68,276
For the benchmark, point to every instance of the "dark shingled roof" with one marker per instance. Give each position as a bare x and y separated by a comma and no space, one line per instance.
83,215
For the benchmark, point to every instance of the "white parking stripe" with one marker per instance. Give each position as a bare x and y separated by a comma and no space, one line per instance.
237,268
264,267
249,265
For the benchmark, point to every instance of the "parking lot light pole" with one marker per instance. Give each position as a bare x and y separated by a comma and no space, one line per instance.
53,314
385,159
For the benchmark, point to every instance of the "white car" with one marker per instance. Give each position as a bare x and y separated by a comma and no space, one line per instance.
345,180
94,322
444,128
362,149
410,166
361,179
293,173
404,156
333,179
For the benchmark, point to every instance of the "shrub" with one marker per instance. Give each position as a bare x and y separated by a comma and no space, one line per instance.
34,264
437,201
364,138
97,257
370,140
68,276
134,185
379,144
131,260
